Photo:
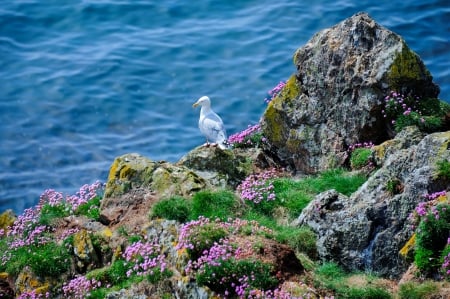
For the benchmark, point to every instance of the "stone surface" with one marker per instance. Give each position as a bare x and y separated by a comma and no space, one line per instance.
223,168
367,230
133,171
335,98
7,218
6,286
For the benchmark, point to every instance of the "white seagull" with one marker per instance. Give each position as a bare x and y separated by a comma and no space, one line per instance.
211,124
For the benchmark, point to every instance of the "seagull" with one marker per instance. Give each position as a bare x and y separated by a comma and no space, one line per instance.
211,124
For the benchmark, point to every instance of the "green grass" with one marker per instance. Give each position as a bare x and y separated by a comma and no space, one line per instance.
295,195
369,292
175,208
91,209
49,214
332,277
219,204
413,290
360,157
443,169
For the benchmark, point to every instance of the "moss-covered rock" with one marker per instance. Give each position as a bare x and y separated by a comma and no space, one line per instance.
84,251
408,74
28,282
7,218
222,168
133,171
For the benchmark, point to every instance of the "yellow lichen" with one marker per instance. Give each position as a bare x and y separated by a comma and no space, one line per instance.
409,246
291,90
82,244
7,219
113,170
4,275
106,233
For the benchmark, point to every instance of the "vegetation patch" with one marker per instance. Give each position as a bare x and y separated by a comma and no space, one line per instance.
174,208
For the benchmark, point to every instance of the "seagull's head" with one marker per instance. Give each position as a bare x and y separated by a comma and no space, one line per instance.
203,101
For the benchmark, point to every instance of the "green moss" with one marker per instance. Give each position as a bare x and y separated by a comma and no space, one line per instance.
49,259
273,129
302,239
291,90
360,157
406,69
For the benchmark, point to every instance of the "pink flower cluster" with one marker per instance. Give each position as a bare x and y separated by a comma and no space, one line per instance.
25,231
368,144
33,295
258,187
275,91
435,195
144,258
397,104
214,256
85,194
425,207
221,251
80,287
244,137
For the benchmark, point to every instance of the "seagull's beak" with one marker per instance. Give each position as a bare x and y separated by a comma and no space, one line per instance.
195,104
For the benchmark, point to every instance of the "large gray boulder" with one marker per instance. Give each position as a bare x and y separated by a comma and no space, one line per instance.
367,230
335,98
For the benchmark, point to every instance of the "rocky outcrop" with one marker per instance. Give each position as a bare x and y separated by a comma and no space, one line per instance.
223,168
133,171
367,230
335,98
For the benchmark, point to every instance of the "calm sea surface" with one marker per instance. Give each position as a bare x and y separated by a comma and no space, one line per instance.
82,82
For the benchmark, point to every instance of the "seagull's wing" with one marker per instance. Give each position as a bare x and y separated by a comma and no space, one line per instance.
212,127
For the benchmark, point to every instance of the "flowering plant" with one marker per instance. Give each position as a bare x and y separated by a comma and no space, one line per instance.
406,110
80,287
220,263
250,137
258,187
144,258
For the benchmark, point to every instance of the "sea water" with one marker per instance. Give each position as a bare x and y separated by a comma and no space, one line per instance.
82,82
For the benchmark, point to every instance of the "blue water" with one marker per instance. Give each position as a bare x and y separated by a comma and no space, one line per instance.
82,82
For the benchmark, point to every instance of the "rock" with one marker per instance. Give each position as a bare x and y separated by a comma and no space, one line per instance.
6,286
133,171
7,219
335,98
85,254
28,282
222,168
404,139
130,209
367,230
